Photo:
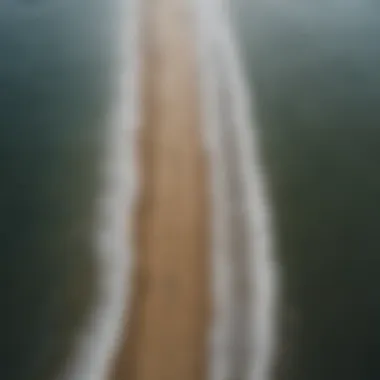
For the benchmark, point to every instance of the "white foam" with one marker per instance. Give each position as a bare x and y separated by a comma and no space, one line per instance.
100,341
222,277
215,32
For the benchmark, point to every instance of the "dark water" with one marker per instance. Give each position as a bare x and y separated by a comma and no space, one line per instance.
314,68
56,76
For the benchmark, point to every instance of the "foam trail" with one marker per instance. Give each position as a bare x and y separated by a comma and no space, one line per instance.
99,342
215,34
222,295
264,273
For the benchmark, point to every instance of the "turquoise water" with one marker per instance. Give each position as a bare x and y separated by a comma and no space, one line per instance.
57,71
313,68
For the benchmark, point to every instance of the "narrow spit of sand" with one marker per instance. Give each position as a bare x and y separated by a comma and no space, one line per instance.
166,334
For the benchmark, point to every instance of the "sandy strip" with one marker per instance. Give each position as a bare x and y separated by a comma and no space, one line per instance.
166,336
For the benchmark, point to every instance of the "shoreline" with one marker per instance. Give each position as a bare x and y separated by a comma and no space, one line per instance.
231,351
113,236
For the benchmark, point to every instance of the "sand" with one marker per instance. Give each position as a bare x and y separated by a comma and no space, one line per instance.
166,333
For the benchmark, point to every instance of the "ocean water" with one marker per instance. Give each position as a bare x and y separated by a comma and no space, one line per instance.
57,74
313,72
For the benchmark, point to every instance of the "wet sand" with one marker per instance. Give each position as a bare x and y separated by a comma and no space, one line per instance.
166,333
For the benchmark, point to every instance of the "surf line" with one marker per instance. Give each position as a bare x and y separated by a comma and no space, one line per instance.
243,332
99,342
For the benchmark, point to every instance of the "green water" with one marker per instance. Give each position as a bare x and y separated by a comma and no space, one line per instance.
56,76
313,68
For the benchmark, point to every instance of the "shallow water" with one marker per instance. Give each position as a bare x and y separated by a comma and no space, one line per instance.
313,68
57,73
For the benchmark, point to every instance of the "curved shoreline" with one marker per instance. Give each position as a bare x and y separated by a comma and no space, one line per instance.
232,355
113,237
